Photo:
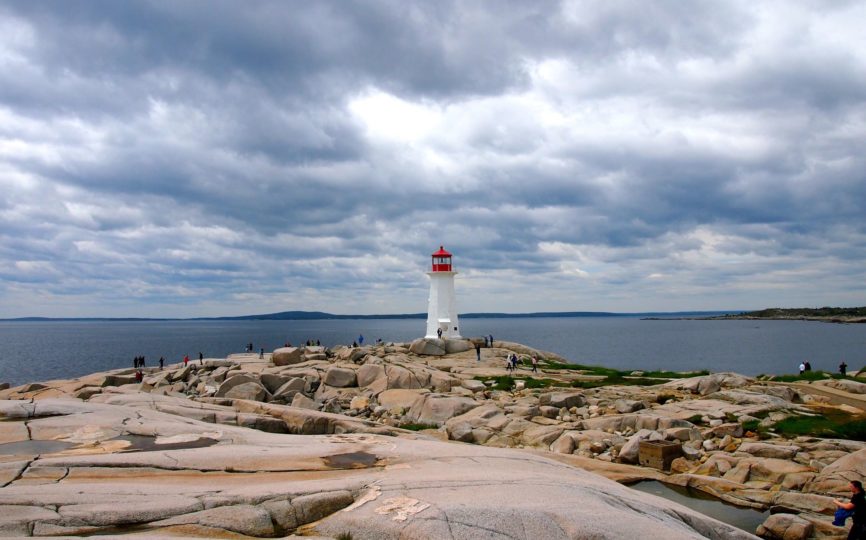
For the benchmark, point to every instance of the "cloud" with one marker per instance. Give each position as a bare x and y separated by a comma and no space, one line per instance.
210,158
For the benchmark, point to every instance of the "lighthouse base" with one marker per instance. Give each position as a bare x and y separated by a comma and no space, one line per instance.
440,347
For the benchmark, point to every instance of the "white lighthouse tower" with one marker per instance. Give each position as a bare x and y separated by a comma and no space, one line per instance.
442,304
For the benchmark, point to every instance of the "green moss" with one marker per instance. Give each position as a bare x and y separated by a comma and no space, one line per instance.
417,427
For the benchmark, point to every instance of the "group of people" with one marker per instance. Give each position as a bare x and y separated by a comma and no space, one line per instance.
806,366
138,362
511,363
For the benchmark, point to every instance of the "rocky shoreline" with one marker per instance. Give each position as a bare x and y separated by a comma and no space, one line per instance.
415,440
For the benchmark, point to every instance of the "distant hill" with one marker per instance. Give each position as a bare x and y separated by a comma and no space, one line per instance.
320,315
825,314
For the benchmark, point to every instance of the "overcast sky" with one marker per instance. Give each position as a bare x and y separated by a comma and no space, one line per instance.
207,158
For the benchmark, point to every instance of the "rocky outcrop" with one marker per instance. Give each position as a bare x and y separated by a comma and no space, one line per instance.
263,485
374,390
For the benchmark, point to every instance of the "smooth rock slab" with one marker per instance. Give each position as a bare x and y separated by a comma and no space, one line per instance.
242,518
127,511
785,527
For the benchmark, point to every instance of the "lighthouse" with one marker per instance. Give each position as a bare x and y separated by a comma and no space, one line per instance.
442,304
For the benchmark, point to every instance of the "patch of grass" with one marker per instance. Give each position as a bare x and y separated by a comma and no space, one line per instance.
696,419
529,382
344,536
831,423
616,374
807,376
504,382
675,374
615,379
417,427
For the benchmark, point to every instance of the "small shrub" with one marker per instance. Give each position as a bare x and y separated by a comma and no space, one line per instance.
344,536
751,425
696,419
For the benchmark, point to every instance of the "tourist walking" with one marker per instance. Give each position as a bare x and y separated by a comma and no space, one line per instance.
491,339
185,359
161,362
439,332
808,366
478,351
843,368
802,368
200,359
262,353
534,364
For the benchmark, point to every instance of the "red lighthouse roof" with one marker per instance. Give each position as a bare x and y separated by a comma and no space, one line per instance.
441,253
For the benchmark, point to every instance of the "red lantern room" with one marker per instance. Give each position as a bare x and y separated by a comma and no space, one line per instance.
441,261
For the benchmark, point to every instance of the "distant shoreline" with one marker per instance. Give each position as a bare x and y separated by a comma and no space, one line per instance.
318,315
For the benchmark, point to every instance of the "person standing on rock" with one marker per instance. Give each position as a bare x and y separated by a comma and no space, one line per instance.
802,368
534,364
858,505
200,359
478,350
843,368
439,332
161,362
185,359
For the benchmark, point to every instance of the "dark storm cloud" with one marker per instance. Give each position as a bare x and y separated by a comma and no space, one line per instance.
221,157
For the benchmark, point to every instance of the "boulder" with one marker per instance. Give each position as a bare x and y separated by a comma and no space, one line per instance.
249,390
767,450
400,377
340,377
454,346
290,388
359,403
399,398
834,478
852,387
303,402
629,451
112,380
562,399
369,373
234,381
785,527
624,406
272,382
287,356
473,385
437,408
428,347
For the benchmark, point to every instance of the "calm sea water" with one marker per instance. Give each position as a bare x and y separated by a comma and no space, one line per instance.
37,351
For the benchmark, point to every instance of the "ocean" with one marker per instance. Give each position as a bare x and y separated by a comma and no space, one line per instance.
37,351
